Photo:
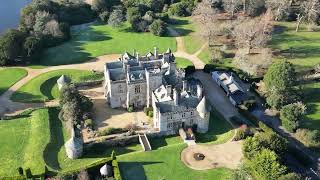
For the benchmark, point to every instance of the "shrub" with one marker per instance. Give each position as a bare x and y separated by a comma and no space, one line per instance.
265,165
116,170
116,18
150,113
242,133
290,176
310,138
88,123
104,16
158,27
109,131
130,109
291,116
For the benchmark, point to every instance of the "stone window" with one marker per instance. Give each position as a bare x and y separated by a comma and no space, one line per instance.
120,89
183,115
169,125
191,113
137,89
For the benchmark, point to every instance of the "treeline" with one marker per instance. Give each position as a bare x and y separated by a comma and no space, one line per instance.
264,157
143,15
43,24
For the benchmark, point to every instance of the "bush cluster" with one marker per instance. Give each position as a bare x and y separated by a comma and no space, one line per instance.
148,111
43,23
75,107
111,130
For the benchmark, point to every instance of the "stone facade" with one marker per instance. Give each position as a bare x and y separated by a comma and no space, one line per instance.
153,80
131,80
180,108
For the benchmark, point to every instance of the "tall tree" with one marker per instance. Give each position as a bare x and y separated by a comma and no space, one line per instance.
265,166
309,12
232,6
11,46
279,9
253,33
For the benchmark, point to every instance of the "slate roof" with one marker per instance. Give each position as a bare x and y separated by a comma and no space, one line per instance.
203,107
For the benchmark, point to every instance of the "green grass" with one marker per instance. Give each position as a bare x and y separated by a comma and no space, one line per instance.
44,87
187,29
220,130
89,41
183,63
205,57
312,100
23,142
163,162
300,48
9,76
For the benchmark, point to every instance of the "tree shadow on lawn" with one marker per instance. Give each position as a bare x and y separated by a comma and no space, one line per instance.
20,96
47,86
100,150
134,170
176,23
50,154
72,51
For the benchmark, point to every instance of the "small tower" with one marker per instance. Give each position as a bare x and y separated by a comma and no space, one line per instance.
62,81
106,171
74,146
203,109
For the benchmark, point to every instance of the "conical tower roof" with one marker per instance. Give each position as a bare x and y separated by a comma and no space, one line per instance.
106,170
63,80
74,147
168,50
203,107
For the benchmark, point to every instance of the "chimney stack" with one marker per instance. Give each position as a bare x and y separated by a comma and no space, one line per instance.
169,90
137,56
176,97
155,52
184,85
199,91
134,52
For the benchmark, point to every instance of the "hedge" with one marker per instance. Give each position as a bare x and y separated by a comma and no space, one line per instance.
116,170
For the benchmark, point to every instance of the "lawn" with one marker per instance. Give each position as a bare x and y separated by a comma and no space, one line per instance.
9,76
37,140
301,48
163,162
183,63
187,29
44,87
89,41
205,57
23,142
220,130
312,100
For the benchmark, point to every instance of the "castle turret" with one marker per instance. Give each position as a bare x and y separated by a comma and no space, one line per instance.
203,108
176,97
155,52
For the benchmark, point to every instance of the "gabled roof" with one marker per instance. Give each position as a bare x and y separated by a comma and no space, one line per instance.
127,55
149,54
203,107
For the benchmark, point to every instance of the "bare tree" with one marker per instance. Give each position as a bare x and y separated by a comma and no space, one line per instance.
309,12
205,16
232,6
253,33
52,27
279,8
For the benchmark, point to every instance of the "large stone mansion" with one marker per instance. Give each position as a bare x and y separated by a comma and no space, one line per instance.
153,80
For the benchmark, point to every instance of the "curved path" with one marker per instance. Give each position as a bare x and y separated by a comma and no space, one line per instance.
8,107
226,155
